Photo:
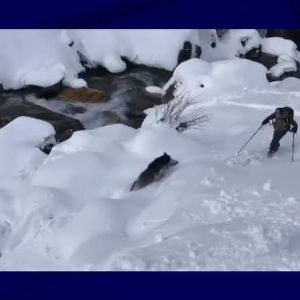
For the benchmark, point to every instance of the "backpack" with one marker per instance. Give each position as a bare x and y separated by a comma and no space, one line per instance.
283,117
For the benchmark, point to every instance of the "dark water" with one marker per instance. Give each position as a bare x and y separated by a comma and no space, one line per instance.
127,89
127,98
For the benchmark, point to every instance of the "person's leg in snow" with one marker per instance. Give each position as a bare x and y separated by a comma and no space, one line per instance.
277,136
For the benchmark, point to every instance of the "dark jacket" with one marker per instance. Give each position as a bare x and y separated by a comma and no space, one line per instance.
290,122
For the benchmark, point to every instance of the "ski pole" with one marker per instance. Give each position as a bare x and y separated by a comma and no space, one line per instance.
253,135
293,146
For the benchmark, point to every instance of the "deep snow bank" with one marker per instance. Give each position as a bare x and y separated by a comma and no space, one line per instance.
37,57
45,57
157,48
72,210
213,211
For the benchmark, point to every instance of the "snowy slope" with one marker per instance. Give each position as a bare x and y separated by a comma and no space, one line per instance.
215,211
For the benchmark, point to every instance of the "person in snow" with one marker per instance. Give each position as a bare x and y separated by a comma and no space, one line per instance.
282,121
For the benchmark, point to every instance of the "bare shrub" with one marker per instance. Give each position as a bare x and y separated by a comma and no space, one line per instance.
195,121
172,111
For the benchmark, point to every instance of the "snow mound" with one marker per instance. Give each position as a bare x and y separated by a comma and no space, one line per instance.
20,140
213,211
238,42
37,57
50,56
280,47
287,53
197,77
28,131
284,65
107,47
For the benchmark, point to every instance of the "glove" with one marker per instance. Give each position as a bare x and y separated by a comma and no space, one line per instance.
264,122
294,129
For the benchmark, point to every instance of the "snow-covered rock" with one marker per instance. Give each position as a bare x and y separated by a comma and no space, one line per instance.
197,77
237,42
157,48
46,57
12,107
37,57
284,65
20,143
280,47
286,53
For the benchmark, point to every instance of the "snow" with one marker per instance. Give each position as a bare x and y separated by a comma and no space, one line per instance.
200,78
279,47
154,90
37,57
290,84
215,210
239,41
284,65
106,47
287,53
51,56
20,142
27,131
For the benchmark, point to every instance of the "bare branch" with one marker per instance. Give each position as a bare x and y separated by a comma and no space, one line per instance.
172,112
